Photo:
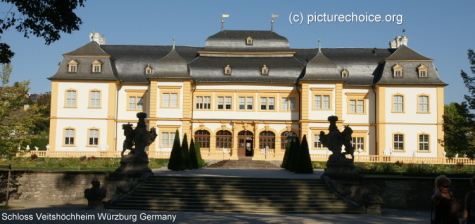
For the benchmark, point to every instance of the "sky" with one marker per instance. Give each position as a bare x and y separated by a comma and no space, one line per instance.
439,29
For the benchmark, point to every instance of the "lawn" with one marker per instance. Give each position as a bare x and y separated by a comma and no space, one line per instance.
73,164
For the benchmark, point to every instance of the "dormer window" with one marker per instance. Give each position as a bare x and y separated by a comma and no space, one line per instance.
96,66
227,70
397,71
148,70
249,41
265,70
73,66
345,73
423,72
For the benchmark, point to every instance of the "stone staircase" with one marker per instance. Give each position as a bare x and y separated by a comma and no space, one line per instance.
234,194
243,164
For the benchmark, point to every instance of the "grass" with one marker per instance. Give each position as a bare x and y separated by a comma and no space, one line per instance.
409,169
73,164
6,207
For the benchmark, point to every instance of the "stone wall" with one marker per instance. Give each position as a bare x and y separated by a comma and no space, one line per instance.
401,192
67,187
53,187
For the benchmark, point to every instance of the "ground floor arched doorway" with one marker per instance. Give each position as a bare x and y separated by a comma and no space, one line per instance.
246,144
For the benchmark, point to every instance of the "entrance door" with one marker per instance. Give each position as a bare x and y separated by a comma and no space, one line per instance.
246,143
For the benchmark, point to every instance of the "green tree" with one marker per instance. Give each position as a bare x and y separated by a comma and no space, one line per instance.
201,162
469,81
294,159
193,157
186,153
5,73
286,155
41,126
41,18
17,118
176,161
304,164
459,130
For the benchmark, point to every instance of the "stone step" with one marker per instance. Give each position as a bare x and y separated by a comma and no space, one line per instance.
243,164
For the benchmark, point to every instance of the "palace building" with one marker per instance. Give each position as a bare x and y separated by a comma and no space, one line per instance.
246,94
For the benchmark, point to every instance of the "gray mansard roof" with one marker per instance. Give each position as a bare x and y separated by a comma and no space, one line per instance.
366,66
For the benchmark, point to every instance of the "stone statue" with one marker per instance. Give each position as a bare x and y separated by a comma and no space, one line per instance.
337,163
336,139
95,195
136,140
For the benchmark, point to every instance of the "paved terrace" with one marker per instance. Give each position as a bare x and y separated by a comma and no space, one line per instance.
389,215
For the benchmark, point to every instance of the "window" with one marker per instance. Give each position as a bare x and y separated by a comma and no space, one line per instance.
148,70
249,41
224,139
73,66
203,137
227,70
422,71
224,103
264,70
93,137
95,98
398,142
69,137
96,66
203,102
135,103
267,140
136,99
316,142
168,138
423,142
170,100
356,106
285,137
322,102
289,104
397,71
267,103
357,143
398,103
345,73
70,98
245,103
423,104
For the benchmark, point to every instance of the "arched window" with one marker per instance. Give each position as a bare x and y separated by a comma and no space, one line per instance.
267,139
203,137
224,139
287,136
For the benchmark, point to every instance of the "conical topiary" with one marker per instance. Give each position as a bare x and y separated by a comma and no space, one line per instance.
286,154
201,162
193,157
304,164
289,156
186,153
176,162
295,156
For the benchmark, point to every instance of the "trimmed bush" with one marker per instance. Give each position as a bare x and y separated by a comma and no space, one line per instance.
201,162
176,162
186,153
193,157
304,164
286,155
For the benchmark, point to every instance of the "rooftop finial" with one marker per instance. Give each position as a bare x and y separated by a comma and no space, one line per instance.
272,22
319,47
174,39
222,20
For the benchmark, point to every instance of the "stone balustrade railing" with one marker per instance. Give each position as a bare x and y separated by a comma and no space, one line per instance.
270,155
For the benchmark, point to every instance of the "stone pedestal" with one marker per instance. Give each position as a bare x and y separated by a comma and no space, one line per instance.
134,164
